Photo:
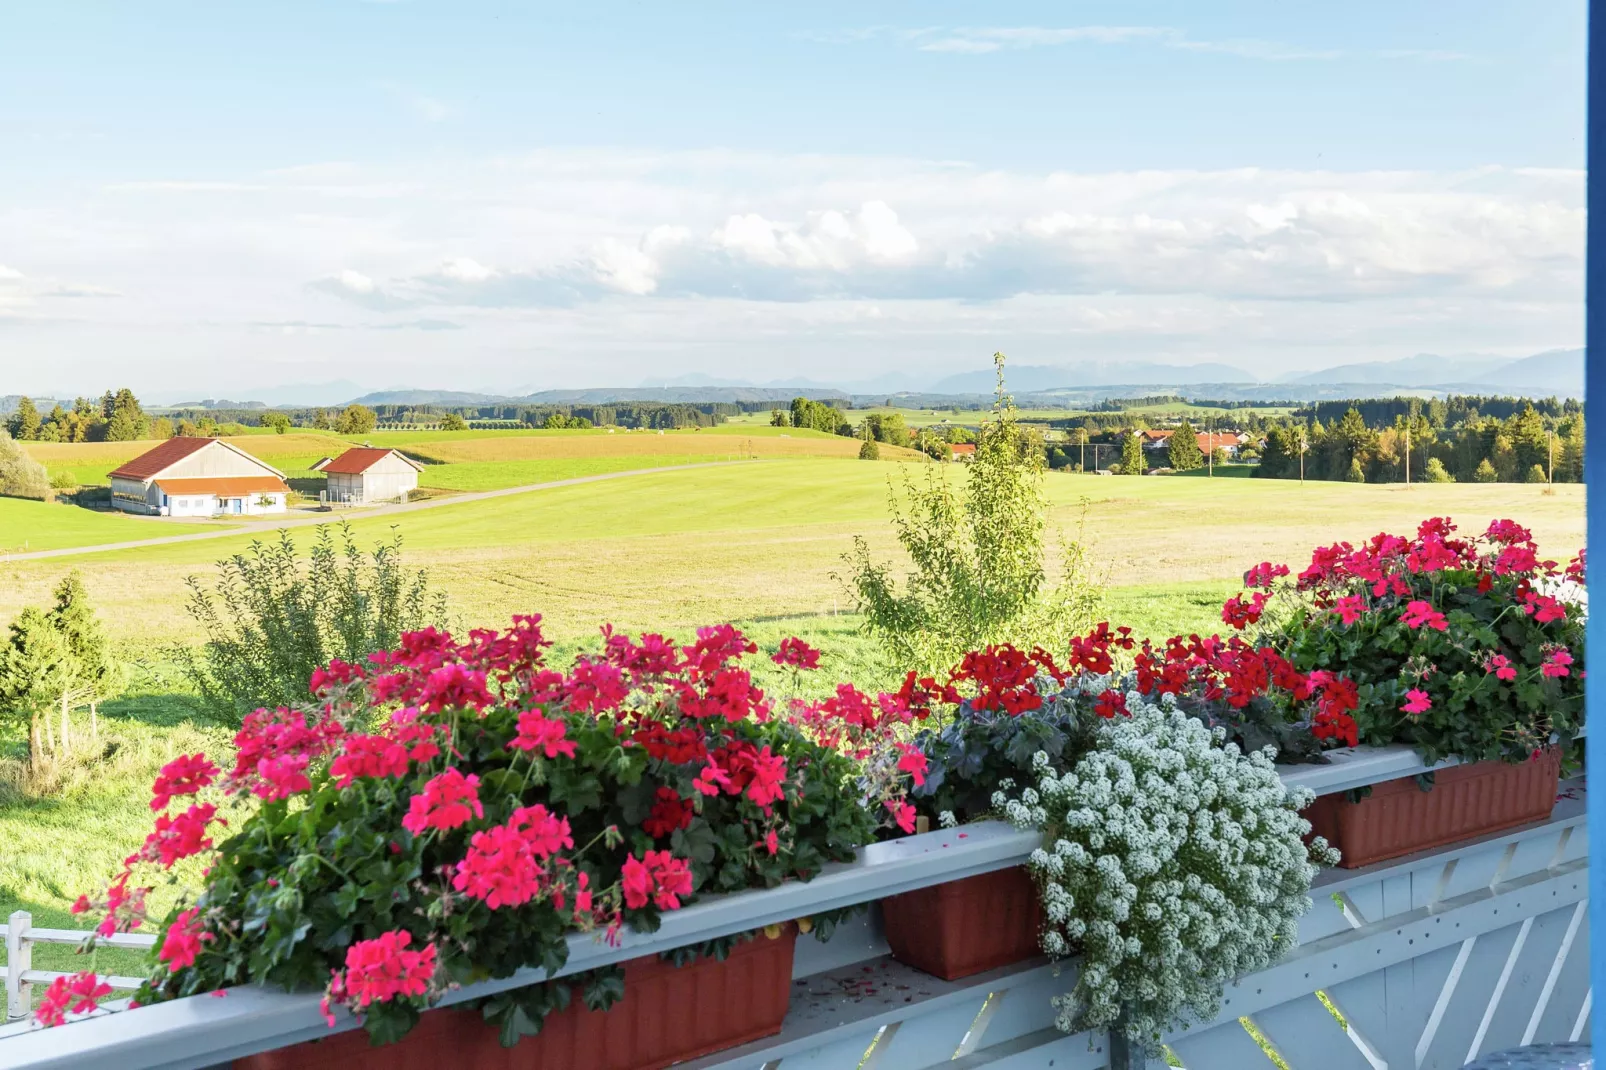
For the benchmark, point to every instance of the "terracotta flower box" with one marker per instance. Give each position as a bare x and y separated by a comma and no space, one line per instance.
966,926
667,1015
1399,818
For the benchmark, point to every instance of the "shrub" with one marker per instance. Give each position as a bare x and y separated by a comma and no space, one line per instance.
455,810
20,475
869,450
1536,474
453,422
54,662
1171,863
1435,472
271,619
63,480
1471,648
977,577
1485,473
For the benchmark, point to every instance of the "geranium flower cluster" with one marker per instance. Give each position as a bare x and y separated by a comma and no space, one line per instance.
1466,646
461,806
1174,864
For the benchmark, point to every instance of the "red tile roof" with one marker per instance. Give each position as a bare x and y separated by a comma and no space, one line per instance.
223,486
358,459
1222,440
963,447
163,457
1157,435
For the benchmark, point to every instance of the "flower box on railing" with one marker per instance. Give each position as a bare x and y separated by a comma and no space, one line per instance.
967,926
1415,813
668,1014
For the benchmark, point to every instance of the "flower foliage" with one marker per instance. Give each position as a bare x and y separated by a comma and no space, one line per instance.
1171,862
455,809
1461,646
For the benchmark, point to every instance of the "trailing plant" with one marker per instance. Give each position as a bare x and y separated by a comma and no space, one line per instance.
449,811
1172,862
1462,647
977,575
272,618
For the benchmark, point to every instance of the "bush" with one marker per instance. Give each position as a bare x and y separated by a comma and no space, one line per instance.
453,422
1435,472
1485,473
63,480
1172,864
1467,648
1536,474
20,475
869,450
458,809
271,620
977,577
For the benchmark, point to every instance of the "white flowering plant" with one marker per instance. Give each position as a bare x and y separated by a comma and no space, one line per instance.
1172,862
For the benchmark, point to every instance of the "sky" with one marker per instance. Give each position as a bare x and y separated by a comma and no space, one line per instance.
205,200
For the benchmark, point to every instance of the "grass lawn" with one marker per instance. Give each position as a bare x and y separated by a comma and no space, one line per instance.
755,543
30,525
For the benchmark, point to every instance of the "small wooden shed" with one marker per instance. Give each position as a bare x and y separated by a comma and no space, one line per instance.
365,474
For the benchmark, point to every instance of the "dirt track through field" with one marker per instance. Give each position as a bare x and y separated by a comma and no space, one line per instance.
360,514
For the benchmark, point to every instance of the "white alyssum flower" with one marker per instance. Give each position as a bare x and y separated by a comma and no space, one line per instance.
1177,864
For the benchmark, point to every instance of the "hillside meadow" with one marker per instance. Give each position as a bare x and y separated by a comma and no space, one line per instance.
489,460
756,542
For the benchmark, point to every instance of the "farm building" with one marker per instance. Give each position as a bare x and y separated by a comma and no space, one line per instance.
367,474
198,477
963,451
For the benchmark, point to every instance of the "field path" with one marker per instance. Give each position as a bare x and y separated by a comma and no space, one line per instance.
355,514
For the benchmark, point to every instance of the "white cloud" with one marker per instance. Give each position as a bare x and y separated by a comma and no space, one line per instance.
982,40
561,261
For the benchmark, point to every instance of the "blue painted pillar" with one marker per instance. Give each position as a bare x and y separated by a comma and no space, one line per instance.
1594,466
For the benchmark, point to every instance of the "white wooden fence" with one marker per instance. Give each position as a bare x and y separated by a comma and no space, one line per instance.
1420,963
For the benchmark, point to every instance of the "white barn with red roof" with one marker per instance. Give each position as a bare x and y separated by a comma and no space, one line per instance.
198,477
368,474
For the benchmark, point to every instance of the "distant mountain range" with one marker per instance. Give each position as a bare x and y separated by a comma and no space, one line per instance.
1555,373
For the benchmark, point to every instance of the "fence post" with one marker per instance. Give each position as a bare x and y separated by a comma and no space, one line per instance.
19,959
1125,1053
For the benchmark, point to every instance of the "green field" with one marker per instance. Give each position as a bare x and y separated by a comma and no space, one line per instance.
973,417
753,542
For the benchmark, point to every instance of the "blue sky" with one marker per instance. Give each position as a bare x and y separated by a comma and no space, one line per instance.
212,198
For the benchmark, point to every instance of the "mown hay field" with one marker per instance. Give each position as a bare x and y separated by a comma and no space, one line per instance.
762,539
755,542
503,458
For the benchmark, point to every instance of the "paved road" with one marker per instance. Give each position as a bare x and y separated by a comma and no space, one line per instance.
356,514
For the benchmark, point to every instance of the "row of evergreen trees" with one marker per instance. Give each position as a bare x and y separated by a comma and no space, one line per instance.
1525,447
116,417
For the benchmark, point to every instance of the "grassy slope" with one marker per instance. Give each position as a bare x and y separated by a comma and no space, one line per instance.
755,543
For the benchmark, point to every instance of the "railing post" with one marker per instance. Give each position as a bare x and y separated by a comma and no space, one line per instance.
19,959
1125,1053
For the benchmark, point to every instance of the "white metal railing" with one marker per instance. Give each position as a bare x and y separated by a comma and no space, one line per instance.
827,1029
21,936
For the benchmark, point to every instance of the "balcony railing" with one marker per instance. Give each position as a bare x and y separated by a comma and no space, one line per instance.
1422,962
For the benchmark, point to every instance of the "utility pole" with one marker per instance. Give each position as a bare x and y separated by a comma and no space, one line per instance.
1302,456
1210,442
1408,454
1550,477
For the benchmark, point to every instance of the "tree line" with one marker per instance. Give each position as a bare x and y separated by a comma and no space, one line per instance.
1526,446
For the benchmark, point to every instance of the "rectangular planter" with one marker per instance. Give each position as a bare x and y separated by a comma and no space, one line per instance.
667,1015
1399,818
966,926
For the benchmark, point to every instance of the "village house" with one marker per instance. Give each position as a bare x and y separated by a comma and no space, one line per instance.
198,477
365,474
963,451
